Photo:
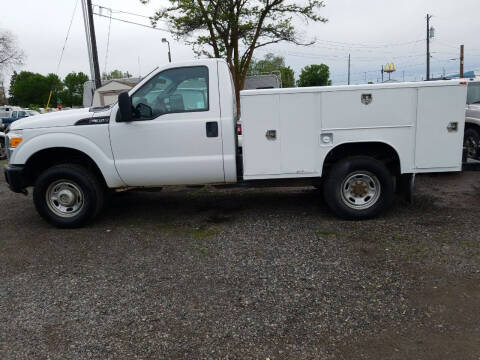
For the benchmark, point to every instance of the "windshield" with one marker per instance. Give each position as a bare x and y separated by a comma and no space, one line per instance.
473,93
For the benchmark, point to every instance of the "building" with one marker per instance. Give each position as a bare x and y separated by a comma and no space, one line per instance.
108,93
270,81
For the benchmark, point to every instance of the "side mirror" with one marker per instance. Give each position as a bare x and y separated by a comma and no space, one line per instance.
125,107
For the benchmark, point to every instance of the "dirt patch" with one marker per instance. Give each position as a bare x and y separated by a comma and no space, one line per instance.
245,273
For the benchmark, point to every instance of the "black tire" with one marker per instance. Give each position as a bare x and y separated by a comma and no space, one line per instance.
3,149
471,142
75,179
347,182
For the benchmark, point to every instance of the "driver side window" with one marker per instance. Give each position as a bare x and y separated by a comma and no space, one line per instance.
172,91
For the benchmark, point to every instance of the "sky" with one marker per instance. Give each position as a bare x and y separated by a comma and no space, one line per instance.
374,32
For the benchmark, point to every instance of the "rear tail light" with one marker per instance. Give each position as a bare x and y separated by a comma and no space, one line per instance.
239,129
463,83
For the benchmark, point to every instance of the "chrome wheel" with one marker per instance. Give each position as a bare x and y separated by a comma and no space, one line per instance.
360,190
65,198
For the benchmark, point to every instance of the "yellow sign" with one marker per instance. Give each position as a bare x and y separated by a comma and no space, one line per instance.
389,68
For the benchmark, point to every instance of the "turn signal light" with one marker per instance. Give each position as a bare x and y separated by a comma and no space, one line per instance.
14,142
239,129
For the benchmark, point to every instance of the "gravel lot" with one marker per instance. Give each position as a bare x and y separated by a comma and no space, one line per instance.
237,274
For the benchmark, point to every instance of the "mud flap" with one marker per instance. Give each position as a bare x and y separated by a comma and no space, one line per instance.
405,186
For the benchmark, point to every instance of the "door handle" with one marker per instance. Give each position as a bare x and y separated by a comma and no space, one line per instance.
453,126
271,134
212,128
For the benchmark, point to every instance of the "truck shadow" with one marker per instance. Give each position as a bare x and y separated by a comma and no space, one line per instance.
221,206
216,206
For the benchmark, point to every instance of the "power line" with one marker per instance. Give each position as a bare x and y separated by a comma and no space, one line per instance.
371,46
131,22
123,12
108,43
66,37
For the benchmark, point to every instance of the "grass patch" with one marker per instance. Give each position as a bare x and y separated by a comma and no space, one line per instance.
408,250
325,233
200,236
199,233
471,247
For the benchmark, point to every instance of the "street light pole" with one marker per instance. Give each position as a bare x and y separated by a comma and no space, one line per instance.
429,35
169,53
462,60
348,69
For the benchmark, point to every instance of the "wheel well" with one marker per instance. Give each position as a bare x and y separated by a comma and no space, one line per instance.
47,158
472,126
378,150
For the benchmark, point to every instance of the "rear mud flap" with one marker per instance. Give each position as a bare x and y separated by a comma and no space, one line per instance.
405,186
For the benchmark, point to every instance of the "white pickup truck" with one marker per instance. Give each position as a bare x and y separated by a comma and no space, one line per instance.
178,127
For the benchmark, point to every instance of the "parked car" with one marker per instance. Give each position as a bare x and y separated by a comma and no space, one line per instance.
15,115
472,121
358,142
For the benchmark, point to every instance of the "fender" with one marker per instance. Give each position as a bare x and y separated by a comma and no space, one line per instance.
367,142
102,157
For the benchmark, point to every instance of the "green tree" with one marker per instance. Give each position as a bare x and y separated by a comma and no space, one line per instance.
234,29
32,88
273,64
73,93
116,74
314,75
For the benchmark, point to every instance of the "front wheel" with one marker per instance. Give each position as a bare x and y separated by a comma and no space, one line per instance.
68,195
359,187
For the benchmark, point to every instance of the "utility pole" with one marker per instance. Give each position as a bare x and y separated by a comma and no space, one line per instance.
348,69
403,73
91,42
87,37
365,77
382,73
461,60
428,46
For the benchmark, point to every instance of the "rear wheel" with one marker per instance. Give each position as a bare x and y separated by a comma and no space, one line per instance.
358,188
471,142
68,195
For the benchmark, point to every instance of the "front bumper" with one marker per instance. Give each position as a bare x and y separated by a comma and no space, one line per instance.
16,177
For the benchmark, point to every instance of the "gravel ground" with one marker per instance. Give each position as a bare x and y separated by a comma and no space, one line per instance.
245,273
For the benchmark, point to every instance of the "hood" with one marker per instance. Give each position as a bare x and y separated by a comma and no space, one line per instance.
53,119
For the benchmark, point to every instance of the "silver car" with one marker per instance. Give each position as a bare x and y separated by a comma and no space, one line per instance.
472,121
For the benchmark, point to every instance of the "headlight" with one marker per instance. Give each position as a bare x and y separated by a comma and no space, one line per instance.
14,141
